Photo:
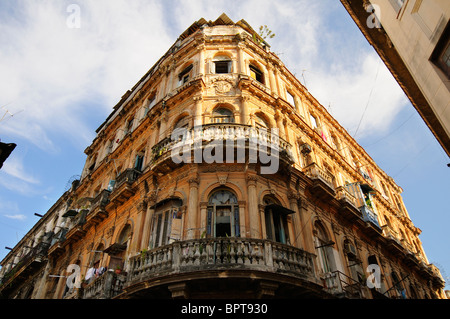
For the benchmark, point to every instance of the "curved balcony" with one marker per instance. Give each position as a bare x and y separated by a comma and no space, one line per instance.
218,258
247,142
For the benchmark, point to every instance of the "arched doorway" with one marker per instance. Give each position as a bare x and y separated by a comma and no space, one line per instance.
223,214
118,250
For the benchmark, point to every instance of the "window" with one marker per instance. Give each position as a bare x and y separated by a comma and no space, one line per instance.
276,220
139,162
362,193
260,121
222,65
397,4
222,115
185,75
441,54
150,104
98,255
290,98
165,222
323,247
223,215
129,127
182,123
313,121
257,74
396,282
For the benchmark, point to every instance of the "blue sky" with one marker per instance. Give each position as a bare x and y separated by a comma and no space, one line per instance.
60,83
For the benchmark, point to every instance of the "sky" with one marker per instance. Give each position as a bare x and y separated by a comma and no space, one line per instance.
65,64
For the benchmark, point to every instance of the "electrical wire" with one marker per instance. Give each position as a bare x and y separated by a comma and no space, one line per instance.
392,132
368,101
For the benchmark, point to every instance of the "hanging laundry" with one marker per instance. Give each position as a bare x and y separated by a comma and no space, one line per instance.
90,273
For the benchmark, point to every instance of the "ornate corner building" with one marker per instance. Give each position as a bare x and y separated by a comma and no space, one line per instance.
141,223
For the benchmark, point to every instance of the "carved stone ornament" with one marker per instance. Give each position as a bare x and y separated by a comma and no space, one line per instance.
222,179
222,84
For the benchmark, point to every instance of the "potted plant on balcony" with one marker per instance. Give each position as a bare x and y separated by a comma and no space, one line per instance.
118,270
143,253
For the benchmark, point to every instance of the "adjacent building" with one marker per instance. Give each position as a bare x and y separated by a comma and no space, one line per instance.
219,175
412,37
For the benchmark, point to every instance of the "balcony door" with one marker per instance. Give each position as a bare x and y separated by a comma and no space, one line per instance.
166,225
223,215
276,220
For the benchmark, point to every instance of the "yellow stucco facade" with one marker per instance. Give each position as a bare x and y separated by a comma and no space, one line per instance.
216,225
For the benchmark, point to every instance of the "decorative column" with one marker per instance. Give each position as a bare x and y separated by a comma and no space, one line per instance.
242,222
241,58
170,77
280,126
245,119
298,226
198,121
145,239
201,60
192,207
254,218
137,238
203,216
163,126
262,217
272,83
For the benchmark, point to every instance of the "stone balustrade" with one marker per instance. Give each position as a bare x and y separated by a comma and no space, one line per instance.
227,132
218,254
106,286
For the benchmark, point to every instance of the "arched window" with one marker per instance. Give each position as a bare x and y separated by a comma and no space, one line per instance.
223,215
222,64
276,220
117,250
256,73
182,123
222,115
166,222
260,121
323,248
124,235
396,282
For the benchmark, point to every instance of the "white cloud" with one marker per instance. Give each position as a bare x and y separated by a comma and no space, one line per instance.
16,217
52,72
58,75
15,168
366,102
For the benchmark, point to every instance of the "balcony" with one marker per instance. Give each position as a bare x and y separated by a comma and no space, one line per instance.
342,286
29,264
123,187
323,185
98,211
348,204
216,258
242,138
371,218
75,227
107,286
57,243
